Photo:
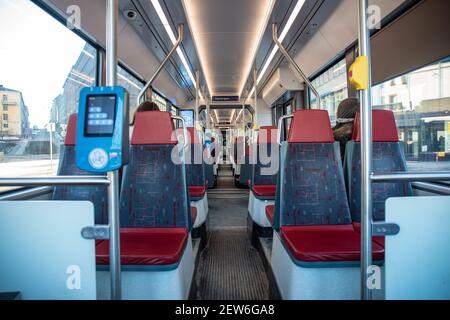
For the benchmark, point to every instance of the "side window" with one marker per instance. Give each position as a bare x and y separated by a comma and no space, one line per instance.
332,88
132,85
39,88
420,101
160,101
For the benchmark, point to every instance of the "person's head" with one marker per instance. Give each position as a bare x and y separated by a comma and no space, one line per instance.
145,106
346,111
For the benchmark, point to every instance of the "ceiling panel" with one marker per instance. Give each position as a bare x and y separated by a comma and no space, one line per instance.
226,34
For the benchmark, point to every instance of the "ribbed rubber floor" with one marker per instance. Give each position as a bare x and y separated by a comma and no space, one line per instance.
230,268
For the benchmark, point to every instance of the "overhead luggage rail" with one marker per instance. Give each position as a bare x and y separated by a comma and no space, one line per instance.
294,64
163,63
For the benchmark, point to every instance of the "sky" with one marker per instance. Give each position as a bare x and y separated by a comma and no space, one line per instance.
36,55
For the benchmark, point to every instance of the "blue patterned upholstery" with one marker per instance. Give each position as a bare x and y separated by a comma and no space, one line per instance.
257,177
387,157
154,192
312,186
195,167
98,195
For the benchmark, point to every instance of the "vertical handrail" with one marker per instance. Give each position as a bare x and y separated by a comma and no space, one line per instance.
294,64
163,63
185,133
112,19
366,154
197,100
280,126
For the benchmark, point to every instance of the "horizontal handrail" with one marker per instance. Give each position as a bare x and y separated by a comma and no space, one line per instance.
432,188
24,194
55,181
410,176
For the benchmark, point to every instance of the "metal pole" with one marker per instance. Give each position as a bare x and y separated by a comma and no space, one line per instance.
208,111
294,64
51,146
197,97
255,82
366,155
112,19
163,63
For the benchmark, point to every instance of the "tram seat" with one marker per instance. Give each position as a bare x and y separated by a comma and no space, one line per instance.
155,216
67,167
147,246
387,157
264,192
263,182
194,214
209,155
314,238
195,171
270,212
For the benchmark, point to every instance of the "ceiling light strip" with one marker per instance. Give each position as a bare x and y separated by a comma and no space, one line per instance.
172,37
285,31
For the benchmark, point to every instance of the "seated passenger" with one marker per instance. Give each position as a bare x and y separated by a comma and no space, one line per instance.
345,117
144,106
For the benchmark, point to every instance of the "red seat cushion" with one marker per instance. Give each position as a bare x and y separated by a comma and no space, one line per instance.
326,243
147,246
264,190
197,191
194,214
270,211
379,240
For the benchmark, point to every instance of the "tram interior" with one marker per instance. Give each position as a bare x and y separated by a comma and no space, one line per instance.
234,186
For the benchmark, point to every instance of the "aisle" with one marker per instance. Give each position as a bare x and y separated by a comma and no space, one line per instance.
230,268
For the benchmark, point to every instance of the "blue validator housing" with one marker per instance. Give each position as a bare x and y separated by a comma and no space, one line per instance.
102,129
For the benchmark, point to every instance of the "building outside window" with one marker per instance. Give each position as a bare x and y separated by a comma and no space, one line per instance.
160,101
332,88
49,90
420,101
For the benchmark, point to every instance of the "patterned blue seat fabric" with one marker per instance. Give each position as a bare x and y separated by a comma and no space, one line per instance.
312,189
96,194
266,145
387,157
311,210
154,190
195,167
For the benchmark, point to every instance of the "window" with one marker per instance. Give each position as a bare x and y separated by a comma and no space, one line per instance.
5,99
5,117
5,107
332,88
420,101
160,101
42,93
132,85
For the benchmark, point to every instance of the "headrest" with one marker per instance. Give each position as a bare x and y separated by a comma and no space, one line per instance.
71,132
310,126
267,134
384,128
193,133
153,127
